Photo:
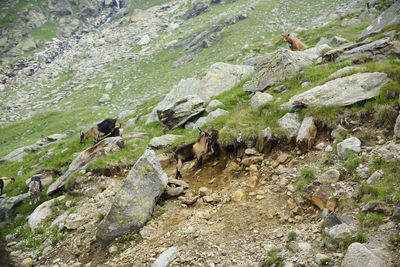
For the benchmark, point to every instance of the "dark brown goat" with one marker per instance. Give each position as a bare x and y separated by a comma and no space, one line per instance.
35,186
4,182
192,151
101,129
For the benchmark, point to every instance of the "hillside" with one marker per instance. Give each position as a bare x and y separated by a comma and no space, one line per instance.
307,168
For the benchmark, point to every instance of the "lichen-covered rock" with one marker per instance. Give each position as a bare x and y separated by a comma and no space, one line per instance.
133,204
396,129
281,66
197,7
213,104
343,91
103,148
329,177
41,212
344,71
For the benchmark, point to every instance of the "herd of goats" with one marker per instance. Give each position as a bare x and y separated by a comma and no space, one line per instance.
206,143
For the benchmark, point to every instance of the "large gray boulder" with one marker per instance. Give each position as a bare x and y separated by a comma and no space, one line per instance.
360,256
163,141
291,123
390,16
343,91
281,66
8,205
103,148
210,117
219,78
166,257
181,111
133,205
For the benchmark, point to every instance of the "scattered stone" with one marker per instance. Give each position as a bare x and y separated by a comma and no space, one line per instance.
259,99
163,141
320,146
210,117
238,195
252,181
320,257
352,144
335,219
232,167
359,256
329,177
108,87
334,41
176,191
377,175
396,213
304,247
282,158
363,171
166,257
397,127
104,98
280,88
340,231
328,148
291,123
304,84
28,262
213,104
203,191
208,199
376,206
306,135
250,151
144,40
321,196
113,250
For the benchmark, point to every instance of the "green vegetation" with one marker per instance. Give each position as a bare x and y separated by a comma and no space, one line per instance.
100,217
342,244
291,236
46,32
307,175
370,219
274,259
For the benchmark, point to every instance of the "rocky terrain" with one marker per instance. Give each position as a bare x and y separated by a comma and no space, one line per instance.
306,172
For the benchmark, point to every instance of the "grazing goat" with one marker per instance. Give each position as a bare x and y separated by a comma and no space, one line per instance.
4,183
101,129
116,132
191,151
294,43
35,186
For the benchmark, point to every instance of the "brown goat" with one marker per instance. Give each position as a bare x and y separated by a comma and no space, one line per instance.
294,43
192,151
101,129
4,183
213,146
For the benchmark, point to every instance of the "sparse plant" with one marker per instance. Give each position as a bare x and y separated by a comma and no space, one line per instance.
274,259
100,217
291,236
371,219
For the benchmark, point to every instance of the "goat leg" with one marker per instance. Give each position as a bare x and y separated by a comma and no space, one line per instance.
200,162
178,168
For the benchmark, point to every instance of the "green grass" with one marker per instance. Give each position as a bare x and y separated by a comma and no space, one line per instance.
370,219
307,175
291,236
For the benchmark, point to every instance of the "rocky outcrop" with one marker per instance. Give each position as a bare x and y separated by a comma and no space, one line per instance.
343,91
8,206
18,154
163,141
281,66
41,212
181,111
219,78
390,16
396,129
103,148
334,41
375,49
344,71
213,104
133,204
197,7
266,141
